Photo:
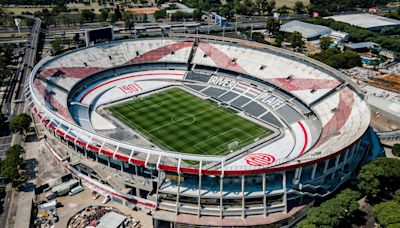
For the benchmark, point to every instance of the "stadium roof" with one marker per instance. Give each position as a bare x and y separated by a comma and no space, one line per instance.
307,30
361,45
365,20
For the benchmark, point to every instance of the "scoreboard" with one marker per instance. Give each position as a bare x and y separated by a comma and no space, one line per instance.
99,35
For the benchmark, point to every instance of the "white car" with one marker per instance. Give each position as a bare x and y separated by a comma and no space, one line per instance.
96,196
106,199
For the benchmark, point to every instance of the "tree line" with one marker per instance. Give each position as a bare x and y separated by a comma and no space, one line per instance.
327,7
379,182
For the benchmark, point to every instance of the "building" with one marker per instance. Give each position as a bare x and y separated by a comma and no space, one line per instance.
179,7
112,220
219,20
318,124
338,38
143,11
362,46
307,30
368,21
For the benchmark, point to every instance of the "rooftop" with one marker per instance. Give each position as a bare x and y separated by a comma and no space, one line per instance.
361,45
111,220
307,30
365,20
148,10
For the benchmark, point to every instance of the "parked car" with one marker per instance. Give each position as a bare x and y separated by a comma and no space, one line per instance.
106,199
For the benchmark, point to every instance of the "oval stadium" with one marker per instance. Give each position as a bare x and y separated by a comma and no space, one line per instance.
202,130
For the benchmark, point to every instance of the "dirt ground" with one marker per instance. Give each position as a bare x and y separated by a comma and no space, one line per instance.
48,169
290,3
383,124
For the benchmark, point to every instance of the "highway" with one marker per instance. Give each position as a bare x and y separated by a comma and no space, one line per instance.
28,64
13,105
16,106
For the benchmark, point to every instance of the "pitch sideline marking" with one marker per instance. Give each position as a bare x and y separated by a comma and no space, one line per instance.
170,123
150,106
187,116
133,125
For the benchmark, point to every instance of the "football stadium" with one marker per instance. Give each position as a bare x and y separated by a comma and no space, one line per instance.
202,130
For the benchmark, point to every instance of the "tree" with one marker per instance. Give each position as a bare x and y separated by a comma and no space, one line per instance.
396,149
179,15
56,45
387,214
197,14
59,8
299,7
379,176
283,9
76,38
28,22
273,25
20,123
336,59
3,123
241,9
6,74
296,39
9,166
333,212
261,5
226,11
396,196
270,7
162,13
117,14
325,42
104,14
160,2
87,15
130,22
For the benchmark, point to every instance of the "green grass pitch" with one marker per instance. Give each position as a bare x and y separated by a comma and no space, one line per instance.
180,121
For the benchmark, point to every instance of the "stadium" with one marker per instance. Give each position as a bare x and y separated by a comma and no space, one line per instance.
202,130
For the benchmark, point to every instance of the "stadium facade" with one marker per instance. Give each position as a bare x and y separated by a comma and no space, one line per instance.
319,120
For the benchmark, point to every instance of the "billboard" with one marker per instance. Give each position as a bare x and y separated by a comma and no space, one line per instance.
99,35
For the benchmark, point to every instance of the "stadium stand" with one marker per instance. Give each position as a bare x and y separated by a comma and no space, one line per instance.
319,123
292,76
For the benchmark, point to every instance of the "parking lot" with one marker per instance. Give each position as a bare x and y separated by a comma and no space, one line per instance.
48,169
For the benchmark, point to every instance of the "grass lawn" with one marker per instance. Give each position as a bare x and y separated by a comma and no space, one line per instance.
180,121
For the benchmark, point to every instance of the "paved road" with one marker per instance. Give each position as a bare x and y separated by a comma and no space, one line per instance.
15,107
16,91
6,206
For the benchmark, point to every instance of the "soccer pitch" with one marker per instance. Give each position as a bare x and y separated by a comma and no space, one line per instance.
177,120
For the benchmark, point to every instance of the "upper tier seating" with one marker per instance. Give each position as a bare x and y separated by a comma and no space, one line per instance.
301,79
68,69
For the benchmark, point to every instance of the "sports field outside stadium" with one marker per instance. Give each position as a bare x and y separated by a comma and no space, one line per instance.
177,120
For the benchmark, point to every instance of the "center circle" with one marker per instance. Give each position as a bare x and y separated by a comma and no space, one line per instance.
183,119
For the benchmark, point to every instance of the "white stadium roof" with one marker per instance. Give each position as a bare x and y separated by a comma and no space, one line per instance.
307,30
365,20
